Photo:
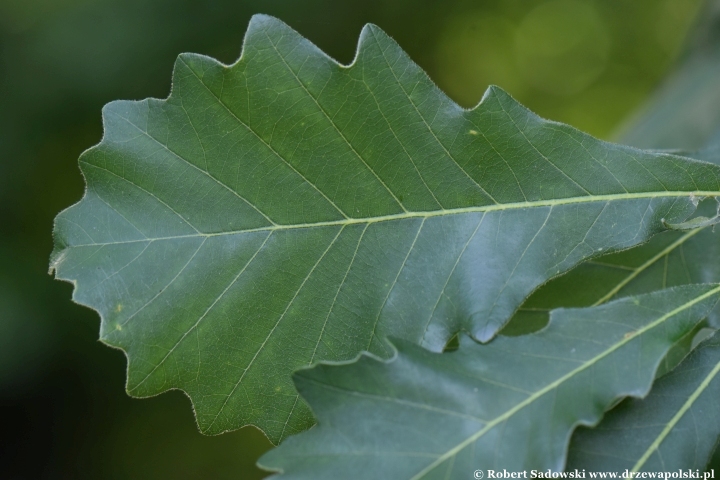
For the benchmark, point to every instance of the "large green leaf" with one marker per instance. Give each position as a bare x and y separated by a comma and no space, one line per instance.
511,404
676,427
286,210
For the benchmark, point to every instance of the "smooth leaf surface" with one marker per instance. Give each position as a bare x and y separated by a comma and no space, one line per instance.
676,427
286,210
511,404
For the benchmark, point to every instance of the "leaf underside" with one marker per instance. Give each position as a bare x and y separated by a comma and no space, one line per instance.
676,427
287,210
511,404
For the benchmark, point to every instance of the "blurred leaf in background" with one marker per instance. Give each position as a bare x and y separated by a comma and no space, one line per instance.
581,62
64,410
684,113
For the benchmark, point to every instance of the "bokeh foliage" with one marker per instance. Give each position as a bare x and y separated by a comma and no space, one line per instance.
64,412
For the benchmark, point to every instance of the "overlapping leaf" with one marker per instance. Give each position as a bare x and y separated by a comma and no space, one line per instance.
667,260
511,404
676,427
286,210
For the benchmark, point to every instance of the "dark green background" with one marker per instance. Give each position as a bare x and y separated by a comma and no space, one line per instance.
63,410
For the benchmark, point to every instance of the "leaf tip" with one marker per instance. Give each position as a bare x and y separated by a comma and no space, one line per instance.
500,95
494,91
262,20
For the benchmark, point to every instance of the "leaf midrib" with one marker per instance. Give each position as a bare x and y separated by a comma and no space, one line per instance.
437,213
505,416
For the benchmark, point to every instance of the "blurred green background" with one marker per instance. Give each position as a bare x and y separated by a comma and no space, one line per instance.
63,410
